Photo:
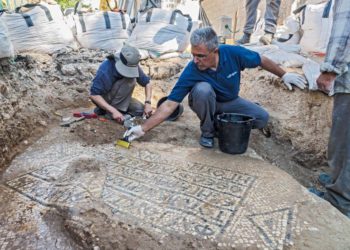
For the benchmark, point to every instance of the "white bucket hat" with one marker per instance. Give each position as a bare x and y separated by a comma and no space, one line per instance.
127,62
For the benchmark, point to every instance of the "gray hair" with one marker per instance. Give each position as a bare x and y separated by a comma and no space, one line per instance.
205,36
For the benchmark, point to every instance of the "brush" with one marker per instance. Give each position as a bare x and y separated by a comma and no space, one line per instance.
123,142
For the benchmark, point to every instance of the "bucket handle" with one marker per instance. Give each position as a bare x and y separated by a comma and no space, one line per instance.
224,120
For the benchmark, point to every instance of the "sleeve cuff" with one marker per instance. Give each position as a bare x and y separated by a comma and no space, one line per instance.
327,67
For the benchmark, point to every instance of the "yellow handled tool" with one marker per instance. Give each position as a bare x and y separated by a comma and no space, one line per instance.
123,143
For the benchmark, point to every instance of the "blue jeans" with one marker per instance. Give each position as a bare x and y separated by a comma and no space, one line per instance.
202,100
271,15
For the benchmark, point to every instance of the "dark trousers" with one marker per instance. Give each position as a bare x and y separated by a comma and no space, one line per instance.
120,97
338,192
202,100
271,15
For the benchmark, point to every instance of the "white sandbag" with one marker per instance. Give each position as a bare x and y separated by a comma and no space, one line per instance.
6,47
259,29
164,56
38,28
311,71
286,59
317,23
279,56
289,33
161,31
288,47
144,54
69,20
102,30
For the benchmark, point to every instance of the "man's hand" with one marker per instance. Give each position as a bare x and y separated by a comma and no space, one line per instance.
295,79
118,116
325,81
147,110
134,133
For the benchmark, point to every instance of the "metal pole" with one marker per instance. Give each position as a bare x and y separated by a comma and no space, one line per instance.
235,26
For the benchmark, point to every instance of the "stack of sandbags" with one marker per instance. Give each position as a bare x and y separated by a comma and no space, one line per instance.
6,48
161,31
39,28
102,30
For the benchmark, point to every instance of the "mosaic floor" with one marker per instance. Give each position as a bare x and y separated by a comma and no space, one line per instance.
234,201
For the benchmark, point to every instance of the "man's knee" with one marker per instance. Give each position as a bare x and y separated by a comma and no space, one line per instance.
135,107
261,119
202,90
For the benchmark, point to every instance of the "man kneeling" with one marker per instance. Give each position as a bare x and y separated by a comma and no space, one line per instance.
114,84
212,80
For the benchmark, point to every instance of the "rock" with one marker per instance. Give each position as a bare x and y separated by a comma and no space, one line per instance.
68,70
43,123
6,116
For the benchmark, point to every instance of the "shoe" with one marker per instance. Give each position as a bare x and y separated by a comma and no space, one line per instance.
324,179
265,131
317,192
99,111
207,142
245,39
266,39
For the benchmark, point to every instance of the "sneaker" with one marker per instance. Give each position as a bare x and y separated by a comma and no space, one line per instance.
317,192
266,39
245,39
324,179
207,142
265,131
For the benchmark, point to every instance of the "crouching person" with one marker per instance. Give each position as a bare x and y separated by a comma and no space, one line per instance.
114,84
212,82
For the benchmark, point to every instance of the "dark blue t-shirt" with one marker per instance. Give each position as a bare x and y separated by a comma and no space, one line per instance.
107,75
225,80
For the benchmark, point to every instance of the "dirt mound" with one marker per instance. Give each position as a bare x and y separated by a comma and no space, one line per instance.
298,118
33,86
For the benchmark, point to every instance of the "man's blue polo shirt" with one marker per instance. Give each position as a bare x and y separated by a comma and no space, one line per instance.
225,80
107,75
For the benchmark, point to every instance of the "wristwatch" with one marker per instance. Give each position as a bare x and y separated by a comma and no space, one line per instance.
149,102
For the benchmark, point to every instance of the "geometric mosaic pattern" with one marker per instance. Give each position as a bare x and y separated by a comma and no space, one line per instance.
158,194
274,227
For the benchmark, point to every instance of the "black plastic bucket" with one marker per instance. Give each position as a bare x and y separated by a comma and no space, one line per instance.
177,112
234,131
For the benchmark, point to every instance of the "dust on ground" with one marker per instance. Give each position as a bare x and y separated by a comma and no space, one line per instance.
37,91
34,86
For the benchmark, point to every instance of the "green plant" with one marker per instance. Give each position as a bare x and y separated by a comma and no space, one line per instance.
66,3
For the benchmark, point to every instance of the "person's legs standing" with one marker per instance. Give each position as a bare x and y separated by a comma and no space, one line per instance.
338,192
251,13
271,15
202,100
242,106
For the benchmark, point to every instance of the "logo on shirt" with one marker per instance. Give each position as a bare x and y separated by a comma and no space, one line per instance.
231,75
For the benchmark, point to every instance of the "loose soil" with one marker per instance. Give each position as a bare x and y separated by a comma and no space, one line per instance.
37,91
